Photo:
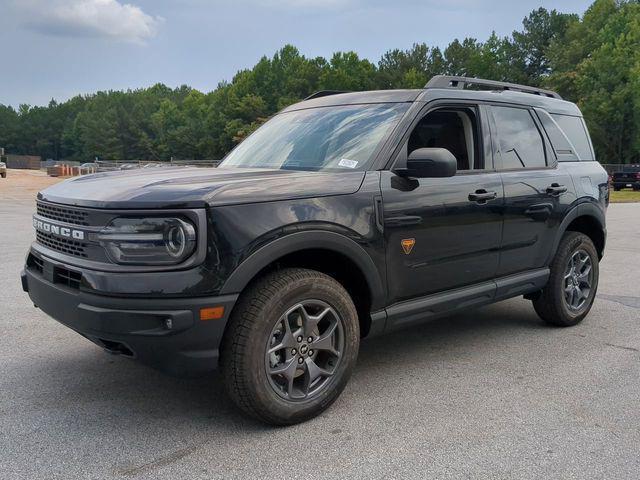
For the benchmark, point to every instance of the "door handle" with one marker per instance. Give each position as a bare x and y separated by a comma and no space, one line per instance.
555,190
482,196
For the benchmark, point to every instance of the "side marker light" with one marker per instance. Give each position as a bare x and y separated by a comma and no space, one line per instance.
211,313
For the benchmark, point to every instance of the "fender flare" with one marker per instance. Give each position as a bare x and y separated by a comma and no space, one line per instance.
295,242
581,210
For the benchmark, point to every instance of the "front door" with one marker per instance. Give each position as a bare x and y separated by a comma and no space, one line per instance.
443,233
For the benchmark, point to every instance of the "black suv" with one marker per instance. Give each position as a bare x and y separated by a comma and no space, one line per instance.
345,216
629,177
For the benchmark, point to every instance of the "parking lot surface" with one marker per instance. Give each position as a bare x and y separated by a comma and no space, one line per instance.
490,393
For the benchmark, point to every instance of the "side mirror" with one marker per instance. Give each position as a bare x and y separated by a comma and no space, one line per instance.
429,163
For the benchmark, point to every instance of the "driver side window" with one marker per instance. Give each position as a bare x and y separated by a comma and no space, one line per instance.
455,129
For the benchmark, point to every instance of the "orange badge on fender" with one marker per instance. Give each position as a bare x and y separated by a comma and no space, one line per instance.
407,245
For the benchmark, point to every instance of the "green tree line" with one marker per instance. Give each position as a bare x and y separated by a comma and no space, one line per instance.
593,60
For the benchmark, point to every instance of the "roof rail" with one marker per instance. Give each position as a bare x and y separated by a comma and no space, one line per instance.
447,81
325,93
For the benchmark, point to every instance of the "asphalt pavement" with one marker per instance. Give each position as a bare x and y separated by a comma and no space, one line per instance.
490,393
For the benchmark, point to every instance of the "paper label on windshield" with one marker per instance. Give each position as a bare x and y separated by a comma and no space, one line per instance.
345,162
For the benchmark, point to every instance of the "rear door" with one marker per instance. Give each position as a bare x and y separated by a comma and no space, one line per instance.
536,191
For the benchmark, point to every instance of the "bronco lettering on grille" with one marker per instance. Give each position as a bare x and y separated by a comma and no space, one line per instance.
58,230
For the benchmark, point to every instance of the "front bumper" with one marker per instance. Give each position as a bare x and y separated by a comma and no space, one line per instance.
165,333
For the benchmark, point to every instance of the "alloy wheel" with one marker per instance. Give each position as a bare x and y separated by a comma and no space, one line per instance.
304,350
578,280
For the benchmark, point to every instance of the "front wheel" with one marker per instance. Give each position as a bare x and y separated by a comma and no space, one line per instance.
290,346
573,282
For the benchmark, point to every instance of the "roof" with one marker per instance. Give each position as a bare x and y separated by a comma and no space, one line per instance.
437,89
452,81
551,105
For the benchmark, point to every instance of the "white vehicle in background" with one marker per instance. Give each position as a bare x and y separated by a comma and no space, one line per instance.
129,166
3,170
87,168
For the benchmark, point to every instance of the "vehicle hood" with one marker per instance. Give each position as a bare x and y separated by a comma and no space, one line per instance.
192,187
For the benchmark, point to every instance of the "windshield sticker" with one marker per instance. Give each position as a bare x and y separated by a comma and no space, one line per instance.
345,162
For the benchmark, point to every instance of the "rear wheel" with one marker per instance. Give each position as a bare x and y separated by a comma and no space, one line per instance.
290,346
573,282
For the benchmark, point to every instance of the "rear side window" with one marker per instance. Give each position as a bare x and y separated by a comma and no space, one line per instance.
521,145
576,132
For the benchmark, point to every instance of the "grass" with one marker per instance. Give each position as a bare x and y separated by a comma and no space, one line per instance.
624,196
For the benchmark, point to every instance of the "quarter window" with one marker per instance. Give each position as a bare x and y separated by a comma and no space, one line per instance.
521,144
575,131
565,151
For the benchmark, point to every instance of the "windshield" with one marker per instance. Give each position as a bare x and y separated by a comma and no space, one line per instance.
324,138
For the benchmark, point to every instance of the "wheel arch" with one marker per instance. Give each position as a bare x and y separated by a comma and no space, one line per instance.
585,218
328,252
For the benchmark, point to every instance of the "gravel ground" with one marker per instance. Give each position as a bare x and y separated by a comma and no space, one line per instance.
491,393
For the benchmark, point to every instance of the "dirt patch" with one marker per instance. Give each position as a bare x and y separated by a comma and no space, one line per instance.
23,185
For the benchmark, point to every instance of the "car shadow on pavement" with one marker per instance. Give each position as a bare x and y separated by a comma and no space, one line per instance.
88,382
489,323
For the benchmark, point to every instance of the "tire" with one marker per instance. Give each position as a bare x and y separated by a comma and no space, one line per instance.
552,305
258,324
3,175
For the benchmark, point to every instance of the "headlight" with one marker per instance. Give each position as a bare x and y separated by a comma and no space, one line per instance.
148,241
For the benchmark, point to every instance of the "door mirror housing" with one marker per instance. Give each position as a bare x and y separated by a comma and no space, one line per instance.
429,163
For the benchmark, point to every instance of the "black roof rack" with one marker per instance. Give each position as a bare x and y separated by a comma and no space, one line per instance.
325,93
446,81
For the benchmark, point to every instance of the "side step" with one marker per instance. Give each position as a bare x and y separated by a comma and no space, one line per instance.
438,304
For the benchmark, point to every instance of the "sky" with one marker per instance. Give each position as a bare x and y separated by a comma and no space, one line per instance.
61,48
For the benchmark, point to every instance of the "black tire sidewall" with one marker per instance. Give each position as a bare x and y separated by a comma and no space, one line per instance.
582,242
559,312
317,287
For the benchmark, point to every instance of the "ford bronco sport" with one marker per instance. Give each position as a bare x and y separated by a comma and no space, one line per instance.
345,216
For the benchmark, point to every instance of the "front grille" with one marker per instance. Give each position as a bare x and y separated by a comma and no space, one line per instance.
67,277
62,214
70,247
